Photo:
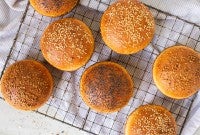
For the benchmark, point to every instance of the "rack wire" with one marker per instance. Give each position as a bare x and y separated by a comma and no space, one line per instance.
66,104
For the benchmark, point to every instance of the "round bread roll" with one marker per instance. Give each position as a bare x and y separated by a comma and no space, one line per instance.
53,8
106,87
150,120
26,85
127,26
67,44
176,72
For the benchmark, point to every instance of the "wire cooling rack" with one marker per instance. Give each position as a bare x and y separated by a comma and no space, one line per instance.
66,104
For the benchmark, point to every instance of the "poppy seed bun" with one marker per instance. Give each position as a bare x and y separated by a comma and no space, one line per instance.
106,87
127,26
67,44
150,120
176,72
26,85
53,8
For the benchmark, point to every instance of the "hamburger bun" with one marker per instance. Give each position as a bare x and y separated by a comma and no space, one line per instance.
127,26
26,85
67,44
106,87
176,72
150,120
53,8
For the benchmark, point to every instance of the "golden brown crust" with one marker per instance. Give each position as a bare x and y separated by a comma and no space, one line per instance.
150,120
127,26
67,44
26,85
106,87
53,8
176,72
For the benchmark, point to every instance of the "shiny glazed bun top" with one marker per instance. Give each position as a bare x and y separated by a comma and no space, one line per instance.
26,85
67,44
127,26
53,8
106,87
150,120
176,72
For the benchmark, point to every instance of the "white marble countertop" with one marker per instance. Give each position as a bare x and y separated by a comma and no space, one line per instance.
14,122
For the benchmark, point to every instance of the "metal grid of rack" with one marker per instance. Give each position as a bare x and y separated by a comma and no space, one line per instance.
66,104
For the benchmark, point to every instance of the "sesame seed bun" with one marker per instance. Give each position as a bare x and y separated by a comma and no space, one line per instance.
53,8
106,87
176,72
127,26
67,44
150,120
26,85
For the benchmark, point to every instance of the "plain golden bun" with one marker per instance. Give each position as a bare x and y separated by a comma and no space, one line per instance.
26,85
67,44
106,87
150,120
176,72
53,8
127,26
